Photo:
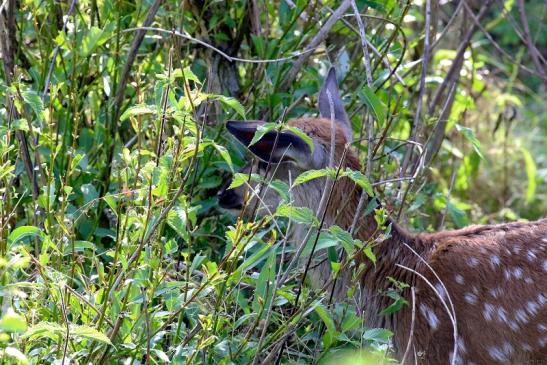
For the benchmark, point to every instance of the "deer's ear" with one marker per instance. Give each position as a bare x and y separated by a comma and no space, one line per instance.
273,146
329,97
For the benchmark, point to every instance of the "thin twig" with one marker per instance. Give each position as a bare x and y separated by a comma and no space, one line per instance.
316,40
56,51
213,48
412,323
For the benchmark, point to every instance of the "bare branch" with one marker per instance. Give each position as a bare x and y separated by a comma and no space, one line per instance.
316,40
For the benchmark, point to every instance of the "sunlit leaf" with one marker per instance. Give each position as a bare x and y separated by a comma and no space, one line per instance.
531,170
470,136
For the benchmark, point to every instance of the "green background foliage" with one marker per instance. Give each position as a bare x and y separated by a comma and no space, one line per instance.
112,148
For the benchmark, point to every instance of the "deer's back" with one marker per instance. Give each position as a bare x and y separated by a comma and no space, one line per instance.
496,278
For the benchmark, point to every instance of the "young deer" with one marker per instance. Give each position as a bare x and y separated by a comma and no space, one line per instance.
476,295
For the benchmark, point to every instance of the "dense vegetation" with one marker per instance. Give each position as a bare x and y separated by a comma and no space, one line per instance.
113,147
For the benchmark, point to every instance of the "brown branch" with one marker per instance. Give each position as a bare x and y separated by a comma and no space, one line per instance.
316,40
8,48
453,72
534,54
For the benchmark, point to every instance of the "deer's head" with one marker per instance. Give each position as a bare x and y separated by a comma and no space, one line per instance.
283,155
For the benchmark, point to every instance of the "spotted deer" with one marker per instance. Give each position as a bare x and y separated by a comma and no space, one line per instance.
475,296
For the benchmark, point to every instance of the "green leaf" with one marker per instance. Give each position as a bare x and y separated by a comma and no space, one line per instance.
374,103
95,38
138,110
13,322
176,219
16,354
90,193
281,187
360,180
32,98
458,216
225,155
470,136
90,333
302,215
325,317
301,135
232,103
314,174
239,179
377,335
530,167
261,131
49,330
343,236
20,233
265,285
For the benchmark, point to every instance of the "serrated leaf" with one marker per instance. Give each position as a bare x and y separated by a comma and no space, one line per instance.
314,174
45,329
232,103
377,335
470,136
239,179
90,333
302,215
32,98
261,131
360,180
281,187
374,103
303,136
343,236
224,154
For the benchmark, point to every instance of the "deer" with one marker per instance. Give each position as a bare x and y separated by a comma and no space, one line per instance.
474,296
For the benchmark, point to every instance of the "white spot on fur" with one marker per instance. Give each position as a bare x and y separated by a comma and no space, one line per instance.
545,265
542,341
516,250
507,273
459,279
473,261
521,316
531,255
470,298
440,289
517,273
502,314
545,239
430,316
496,292
532,307
495,260
501,353
488,311
542,327
461,346
528,280
525,346
542,299
513,325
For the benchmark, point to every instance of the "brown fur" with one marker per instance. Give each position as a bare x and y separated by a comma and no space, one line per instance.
495,276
